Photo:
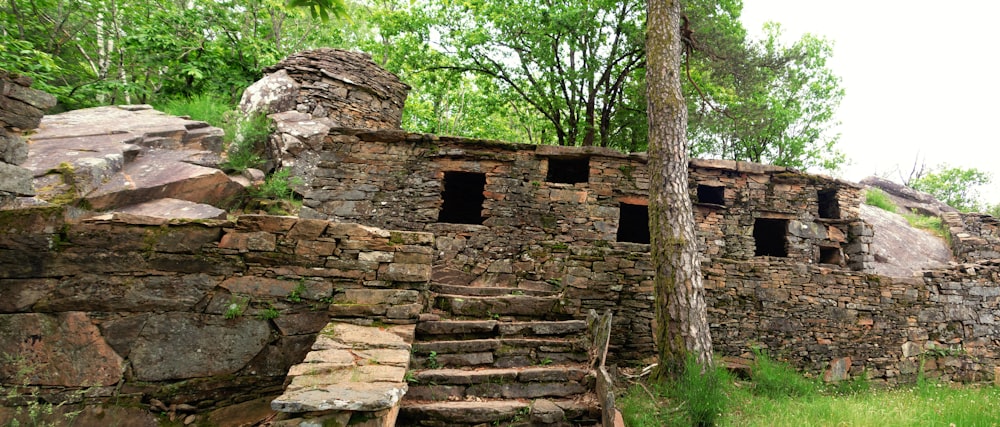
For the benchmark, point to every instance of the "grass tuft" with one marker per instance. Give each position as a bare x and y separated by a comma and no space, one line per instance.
776,380
879,199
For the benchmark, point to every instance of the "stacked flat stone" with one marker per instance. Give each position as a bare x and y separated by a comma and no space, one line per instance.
347,87
21,110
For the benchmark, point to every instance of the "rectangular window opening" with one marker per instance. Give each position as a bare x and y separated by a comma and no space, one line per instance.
829,207
462,198
633,223
568,170
711,194
771,237
831,255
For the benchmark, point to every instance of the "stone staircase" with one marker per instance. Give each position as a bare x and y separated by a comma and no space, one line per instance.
499,356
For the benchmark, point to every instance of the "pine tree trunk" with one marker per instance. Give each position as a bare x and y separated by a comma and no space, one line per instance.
681,321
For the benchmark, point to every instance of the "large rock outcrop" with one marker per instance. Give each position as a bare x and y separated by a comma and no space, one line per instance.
121,158
310,92
908,199
21,109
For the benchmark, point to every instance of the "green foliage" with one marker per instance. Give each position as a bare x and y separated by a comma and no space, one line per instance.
764,102
704,390
930,223
235,307
698,398
432,360
211,109
955,186
33,409
278,185
848,403
322,8
268,313
775,380
296,294
250,134
879,199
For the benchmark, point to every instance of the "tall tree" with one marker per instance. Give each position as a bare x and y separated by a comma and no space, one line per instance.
682,325
955,186
569,60
762,101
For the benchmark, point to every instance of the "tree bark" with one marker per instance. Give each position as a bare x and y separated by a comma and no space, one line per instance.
681,321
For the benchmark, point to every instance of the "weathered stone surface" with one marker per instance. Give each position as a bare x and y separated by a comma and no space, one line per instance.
154,129
274,93
405,272
301,323
64,349
347,87
840,369
449,327
13,147
543,411
174,209
377,296
901,250
351,367
360,397
164,176
15,180
182,345
125,293
463,412
20,295
251,412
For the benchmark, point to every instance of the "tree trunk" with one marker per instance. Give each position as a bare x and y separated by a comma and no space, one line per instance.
681,321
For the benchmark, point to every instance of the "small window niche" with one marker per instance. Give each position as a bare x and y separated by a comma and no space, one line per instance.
831,255
633,223
462,198
712,194
771,237
829,207
568,170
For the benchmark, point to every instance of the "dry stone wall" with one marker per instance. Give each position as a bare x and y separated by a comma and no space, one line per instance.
21,110
205,313
809,298
975,237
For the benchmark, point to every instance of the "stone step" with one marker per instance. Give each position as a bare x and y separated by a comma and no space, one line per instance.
487,291
498,352
539,412
510,383
492,307
472,329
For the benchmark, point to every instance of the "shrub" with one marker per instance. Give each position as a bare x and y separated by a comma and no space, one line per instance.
251,135
278,185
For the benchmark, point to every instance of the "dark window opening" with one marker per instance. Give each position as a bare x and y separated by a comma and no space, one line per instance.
463,198
829,207
712,194
568,170
830,255
770,236
633,223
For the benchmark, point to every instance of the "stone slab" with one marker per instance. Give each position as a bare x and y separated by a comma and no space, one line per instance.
175,209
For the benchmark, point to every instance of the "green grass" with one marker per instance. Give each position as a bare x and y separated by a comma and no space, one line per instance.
764,401
247,133
213,110
879,199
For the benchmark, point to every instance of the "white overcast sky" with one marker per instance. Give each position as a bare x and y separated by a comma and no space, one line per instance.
922,79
